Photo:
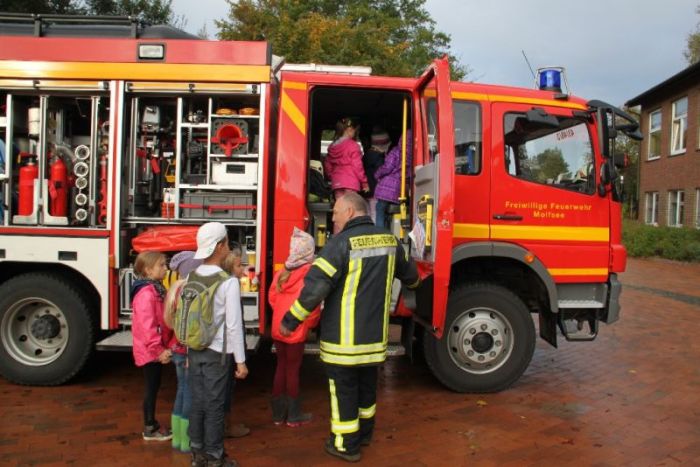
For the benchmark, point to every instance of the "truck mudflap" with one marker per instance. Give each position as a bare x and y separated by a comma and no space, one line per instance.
612,313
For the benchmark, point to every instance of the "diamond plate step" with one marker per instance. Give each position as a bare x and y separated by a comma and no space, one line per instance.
122,341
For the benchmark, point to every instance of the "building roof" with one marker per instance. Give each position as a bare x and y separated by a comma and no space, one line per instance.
692,72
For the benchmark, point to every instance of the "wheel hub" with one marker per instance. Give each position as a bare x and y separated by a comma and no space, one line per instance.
34,331
46,327
480,340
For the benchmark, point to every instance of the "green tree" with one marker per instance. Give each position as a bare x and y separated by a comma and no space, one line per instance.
549,164
151,11
692,51
394,37
203,33
40,6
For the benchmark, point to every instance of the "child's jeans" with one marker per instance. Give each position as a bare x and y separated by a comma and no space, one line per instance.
183,398
382,215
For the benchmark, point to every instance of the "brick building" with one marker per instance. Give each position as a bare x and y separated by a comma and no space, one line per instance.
669,178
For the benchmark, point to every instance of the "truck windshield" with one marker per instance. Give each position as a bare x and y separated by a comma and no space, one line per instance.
561,157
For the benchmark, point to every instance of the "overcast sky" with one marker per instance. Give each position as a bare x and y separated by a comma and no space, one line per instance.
612,50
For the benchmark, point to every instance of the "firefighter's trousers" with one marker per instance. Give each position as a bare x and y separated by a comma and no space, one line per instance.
353,391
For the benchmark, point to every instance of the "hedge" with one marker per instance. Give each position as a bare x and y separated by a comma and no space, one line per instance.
680,244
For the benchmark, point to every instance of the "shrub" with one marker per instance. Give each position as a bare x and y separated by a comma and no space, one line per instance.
681,244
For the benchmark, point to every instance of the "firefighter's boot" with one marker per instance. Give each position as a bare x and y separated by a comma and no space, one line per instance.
295,417
175,427
184,435
279,409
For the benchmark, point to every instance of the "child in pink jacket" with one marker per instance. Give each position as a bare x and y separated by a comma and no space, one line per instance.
151,335
343,164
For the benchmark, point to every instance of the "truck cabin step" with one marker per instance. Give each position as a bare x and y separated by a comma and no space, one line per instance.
578,329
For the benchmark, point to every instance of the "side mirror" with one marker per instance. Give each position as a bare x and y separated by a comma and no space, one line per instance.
631,130
540,117
621,160
605,175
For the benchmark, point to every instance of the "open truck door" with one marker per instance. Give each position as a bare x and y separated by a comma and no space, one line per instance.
434,191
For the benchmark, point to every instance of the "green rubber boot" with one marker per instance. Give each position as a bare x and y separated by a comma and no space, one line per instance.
184,435
175,422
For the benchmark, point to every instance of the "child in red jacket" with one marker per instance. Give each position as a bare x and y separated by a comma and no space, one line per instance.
285,289
151,335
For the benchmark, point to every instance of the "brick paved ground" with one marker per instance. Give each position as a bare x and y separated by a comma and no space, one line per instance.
632,397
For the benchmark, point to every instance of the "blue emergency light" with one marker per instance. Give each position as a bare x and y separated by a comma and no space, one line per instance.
550,79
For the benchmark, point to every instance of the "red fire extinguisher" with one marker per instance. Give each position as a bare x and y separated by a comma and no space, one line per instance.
58,188
27,174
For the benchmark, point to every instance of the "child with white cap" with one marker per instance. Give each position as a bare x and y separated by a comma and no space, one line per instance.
207,374
286,286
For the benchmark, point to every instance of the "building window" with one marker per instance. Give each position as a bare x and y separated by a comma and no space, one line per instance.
651,202
654,135
679,125
697,208
675,208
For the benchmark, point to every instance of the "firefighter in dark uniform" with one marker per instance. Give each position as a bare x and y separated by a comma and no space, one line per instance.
354,274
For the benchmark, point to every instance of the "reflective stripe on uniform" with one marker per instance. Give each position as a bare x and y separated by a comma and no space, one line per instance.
338,427
368,412
391,264
371,252
347,302
299,311
353,349
325,266
349,360
335,414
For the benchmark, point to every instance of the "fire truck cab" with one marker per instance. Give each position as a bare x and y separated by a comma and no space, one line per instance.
113,146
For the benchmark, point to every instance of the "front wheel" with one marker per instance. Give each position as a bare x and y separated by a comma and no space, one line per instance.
46,329
488,341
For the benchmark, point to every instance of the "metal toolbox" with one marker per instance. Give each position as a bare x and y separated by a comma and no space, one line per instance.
215,205
234,172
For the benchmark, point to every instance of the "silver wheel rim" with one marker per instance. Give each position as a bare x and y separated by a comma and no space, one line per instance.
34,331
480,340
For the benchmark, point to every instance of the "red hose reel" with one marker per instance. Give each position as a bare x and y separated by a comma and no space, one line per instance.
230,137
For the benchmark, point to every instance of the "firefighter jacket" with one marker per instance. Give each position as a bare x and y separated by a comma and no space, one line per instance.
354,274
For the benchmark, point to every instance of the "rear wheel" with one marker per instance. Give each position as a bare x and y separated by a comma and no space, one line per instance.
488,341
46,329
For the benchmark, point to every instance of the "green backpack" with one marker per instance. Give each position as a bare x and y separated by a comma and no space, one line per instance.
194,323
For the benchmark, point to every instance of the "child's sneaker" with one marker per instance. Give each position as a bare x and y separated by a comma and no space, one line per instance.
155,433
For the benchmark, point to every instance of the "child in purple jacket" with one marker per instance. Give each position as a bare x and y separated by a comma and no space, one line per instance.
388,178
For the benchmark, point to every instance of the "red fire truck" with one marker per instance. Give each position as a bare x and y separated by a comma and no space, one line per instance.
120,137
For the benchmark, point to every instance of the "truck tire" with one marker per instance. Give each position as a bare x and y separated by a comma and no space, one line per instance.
46,329
488,341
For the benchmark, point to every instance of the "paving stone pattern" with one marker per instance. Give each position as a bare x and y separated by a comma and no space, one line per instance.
632,397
